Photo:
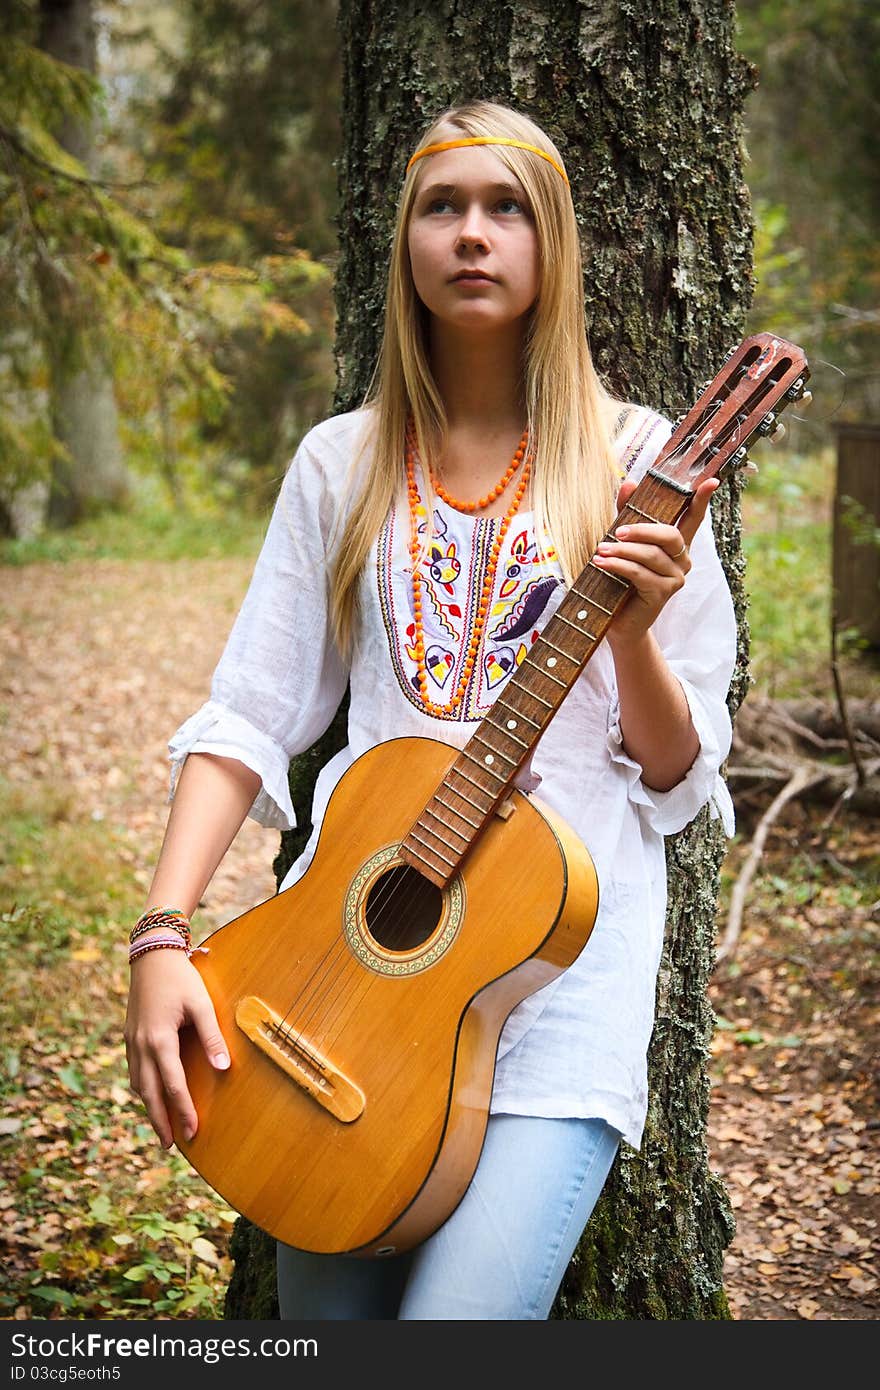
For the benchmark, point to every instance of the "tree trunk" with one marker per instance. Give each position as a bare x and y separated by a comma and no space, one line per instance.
88,472
645,102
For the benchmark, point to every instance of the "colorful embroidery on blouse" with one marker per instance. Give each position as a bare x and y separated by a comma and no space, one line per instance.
458,555
457,559
636,446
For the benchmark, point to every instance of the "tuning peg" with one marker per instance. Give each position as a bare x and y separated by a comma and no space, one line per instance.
777,434
751,467
796,392
806,398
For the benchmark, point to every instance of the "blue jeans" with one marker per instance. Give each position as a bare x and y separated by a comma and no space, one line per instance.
500,1255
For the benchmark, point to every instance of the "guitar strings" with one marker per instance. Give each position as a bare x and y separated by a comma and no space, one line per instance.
321,981
338,1011
329,973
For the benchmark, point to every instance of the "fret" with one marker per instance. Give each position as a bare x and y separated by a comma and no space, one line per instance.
461,815
606,574
545,642
582,630
549,674
593,601
446,826
430,848
479,786
507,732
628,507
533,696
456,792
511,709
415,854
483,766
478,738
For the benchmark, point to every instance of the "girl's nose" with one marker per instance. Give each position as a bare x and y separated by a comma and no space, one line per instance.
473,230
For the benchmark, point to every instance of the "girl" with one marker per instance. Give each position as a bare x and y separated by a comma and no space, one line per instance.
417,547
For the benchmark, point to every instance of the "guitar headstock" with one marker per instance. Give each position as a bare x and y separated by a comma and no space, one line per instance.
742,403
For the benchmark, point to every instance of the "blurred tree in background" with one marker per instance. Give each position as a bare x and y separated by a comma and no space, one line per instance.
166,225
814,175
168,240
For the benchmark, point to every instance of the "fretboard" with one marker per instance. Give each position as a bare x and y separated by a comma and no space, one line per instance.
482,776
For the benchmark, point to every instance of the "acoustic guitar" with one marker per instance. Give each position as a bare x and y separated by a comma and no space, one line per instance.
363,1005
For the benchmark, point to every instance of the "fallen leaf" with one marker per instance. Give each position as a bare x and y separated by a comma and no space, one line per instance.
205,1250
731,1134
847,1272
862,1285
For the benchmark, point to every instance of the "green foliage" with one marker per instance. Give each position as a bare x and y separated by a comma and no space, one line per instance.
150,531
815,179
194,286
787,547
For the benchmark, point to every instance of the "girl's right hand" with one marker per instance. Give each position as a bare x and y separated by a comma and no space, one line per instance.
166,994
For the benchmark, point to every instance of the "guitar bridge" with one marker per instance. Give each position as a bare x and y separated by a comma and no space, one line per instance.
295,1056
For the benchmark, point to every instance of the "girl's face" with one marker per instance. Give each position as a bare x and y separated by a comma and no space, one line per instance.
472,242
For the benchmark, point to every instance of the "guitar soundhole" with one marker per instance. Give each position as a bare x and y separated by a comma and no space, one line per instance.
403,909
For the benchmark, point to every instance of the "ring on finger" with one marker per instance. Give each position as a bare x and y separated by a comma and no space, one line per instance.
678,554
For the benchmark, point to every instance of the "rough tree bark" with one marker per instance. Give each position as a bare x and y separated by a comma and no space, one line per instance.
645,100
90,473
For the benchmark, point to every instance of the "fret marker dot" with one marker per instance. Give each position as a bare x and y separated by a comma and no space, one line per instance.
551,661
582,614
511,723
489,758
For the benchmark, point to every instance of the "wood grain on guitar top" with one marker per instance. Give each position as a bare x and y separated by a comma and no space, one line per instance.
409,1023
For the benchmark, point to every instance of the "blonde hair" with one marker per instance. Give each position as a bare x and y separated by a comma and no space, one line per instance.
569,412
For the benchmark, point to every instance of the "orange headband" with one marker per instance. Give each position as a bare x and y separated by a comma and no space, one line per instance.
486,140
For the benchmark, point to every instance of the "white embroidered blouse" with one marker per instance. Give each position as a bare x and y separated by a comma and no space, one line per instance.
579,1046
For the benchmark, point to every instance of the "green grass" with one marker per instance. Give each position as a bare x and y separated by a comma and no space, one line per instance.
106,1223
143,534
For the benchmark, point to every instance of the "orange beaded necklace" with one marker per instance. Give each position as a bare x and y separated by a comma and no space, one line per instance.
442,711
496,490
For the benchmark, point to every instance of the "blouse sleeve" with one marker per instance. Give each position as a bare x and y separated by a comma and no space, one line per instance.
696,632
280,678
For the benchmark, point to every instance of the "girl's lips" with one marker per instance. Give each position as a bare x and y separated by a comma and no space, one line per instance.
474,277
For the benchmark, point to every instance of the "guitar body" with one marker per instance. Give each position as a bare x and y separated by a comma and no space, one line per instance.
363,1006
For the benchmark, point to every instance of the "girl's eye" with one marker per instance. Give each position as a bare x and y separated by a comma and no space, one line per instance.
439,205
509,205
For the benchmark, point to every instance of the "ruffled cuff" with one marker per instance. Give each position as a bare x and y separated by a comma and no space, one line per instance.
217,729
667,812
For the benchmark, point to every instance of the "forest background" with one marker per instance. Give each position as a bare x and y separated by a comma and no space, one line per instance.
167,252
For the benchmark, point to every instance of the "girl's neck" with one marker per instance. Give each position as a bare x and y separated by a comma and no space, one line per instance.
480,379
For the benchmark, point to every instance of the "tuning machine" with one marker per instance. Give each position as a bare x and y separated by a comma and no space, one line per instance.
797,392
737,460
772,428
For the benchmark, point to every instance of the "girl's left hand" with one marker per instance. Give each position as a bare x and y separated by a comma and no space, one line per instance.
654,559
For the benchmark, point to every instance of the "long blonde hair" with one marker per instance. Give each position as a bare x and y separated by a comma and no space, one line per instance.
569,412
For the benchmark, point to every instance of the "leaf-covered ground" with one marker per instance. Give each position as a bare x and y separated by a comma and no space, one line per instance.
100,661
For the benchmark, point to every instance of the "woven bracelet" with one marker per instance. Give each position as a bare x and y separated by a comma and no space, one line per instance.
139,930
167,917
167,943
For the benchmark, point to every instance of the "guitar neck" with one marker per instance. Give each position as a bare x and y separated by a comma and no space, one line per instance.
739,405
483,774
